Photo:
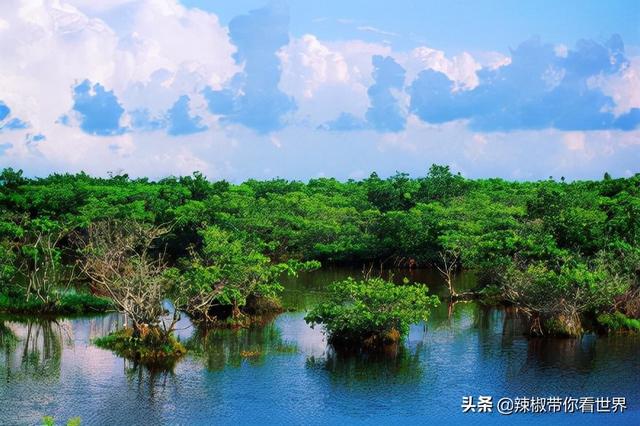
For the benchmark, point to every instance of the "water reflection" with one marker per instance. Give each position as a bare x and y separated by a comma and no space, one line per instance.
397,364
8,339
562,353
148,381
284,373
309,288
220,348
33,347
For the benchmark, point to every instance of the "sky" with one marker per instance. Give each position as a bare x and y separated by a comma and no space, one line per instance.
257,89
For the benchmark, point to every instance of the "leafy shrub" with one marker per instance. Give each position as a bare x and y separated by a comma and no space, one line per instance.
371,312
618,321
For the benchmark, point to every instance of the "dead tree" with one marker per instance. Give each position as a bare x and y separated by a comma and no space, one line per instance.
448,266
121,260
41,265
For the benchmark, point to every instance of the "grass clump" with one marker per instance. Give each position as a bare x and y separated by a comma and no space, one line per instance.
151,346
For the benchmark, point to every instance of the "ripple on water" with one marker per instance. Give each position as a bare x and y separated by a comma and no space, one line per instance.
293,378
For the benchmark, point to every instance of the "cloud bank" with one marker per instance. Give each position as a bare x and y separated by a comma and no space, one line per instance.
156,88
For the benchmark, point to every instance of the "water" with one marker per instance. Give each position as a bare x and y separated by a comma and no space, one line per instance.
283,372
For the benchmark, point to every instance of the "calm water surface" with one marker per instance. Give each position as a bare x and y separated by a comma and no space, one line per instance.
283,373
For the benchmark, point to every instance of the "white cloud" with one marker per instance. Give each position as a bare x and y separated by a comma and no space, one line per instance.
275,141
328,78
357,54
461,69
492,60
561,50
574,141
374,30
54,45
149,56
308,64
476,147
623,87
149,52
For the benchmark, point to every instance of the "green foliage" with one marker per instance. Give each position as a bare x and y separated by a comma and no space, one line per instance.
575,285
371,312
69,303
226,272
618,321
228,242
49,421
150,347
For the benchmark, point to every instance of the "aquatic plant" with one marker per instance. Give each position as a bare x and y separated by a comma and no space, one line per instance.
50,421
149,347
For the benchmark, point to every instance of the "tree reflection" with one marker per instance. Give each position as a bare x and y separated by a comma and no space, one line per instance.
396,363
220,348
149,381
562,353
8,339
33,348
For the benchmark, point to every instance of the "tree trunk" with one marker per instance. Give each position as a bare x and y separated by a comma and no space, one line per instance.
236,310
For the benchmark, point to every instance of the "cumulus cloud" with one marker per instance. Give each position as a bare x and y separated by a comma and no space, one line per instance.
537,89
622,87
155,88
93,86
461,69
254,98
328,78
308,65
386,112
136,55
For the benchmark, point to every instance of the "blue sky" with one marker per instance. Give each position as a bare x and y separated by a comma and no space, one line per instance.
298,89
453,26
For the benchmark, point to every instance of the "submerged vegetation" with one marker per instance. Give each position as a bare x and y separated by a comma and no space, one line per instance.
566,253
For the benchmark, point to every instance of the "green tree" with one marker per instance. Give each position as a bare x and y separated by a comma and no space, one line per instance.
371,312
225,274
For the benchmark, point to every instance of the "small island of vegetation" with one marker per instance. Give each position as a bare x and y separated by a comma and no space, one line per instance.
371,313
